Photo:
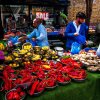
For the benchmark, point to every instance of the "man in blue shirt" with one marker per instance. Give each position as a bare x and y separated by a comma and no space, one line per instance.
76,31
39,34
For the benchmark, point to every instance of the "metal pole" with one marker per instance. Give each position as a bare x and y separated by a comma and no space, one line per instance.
2,15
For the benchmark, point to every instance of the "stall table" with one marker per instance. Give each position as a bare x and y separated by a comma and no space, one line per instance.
56,39
88,90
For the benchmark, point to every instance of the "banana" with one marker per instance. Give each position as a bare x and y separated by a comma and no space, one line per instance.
2,46
45,48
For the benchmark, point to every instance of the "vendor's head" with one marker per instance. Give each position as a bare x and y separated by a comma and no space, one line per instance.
10,17
80,17
36,22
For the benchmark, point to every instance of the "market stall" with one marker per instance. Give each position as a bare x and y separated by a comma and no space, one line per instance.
28,73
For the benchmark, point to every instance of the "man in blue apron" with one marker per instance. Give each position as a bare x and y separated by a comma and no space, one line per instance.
76,31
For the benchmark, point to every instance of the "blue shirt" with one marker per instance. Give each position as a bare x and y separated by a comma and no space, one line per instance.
30,36
69,34
41,36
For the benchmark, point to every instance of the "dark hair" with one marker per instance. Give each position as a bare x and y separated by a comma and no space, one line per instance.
10,15
81,15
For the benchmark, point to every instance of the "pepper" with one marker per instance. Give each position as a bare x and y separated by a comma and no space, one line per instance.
5,74
40,87
34,85
50,82
60,79
26,79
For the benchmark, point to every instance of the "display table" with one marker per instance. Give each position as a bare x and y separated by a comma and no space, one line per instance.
88,90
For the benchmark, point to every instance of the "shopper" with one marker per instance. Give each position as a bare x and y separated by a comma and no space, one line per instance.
39,34
10,23
97,39
76,31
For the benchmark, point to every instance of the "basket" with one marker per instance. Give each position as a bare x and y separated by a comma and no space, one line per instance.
27,44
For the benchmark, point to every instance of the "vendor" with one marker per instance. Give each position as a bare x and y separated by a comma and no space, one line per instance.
76,31
39,34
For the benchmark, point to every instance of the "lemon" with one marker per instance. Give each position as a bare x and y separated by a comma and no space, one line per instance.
15,54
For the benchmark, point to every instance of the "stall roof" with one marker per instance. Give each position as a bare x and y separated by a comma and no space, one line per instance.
36,2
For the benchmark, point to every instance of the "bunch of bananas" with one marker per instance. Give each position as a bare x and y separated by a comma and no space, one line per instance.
36,57
23,51
8,58
15,54
2,47
45,48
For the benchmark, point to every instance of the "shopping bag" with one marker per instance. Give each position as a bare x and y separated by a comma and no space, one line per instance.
80,39
75,48
98,51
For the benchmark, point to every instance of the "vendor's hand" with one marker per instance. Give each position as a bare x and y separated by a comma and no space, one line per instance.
21,39
34,39
76,34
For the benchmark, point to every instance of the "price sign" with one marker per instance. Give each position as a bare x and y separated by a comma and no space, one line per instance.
42,15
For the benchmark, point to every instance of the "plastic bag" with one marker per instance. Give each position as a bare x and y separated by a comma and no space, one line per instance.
75,48
80,39
98,51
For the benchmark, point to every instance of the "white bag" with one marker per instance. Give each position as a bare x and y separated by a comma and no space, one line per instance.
98,51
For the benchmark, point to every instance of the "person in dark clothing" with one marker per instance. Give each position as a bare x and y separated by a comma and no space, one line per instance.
97,35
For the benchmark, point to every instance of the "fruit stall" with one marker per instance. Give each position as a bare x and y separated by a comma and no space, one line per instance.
28,73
